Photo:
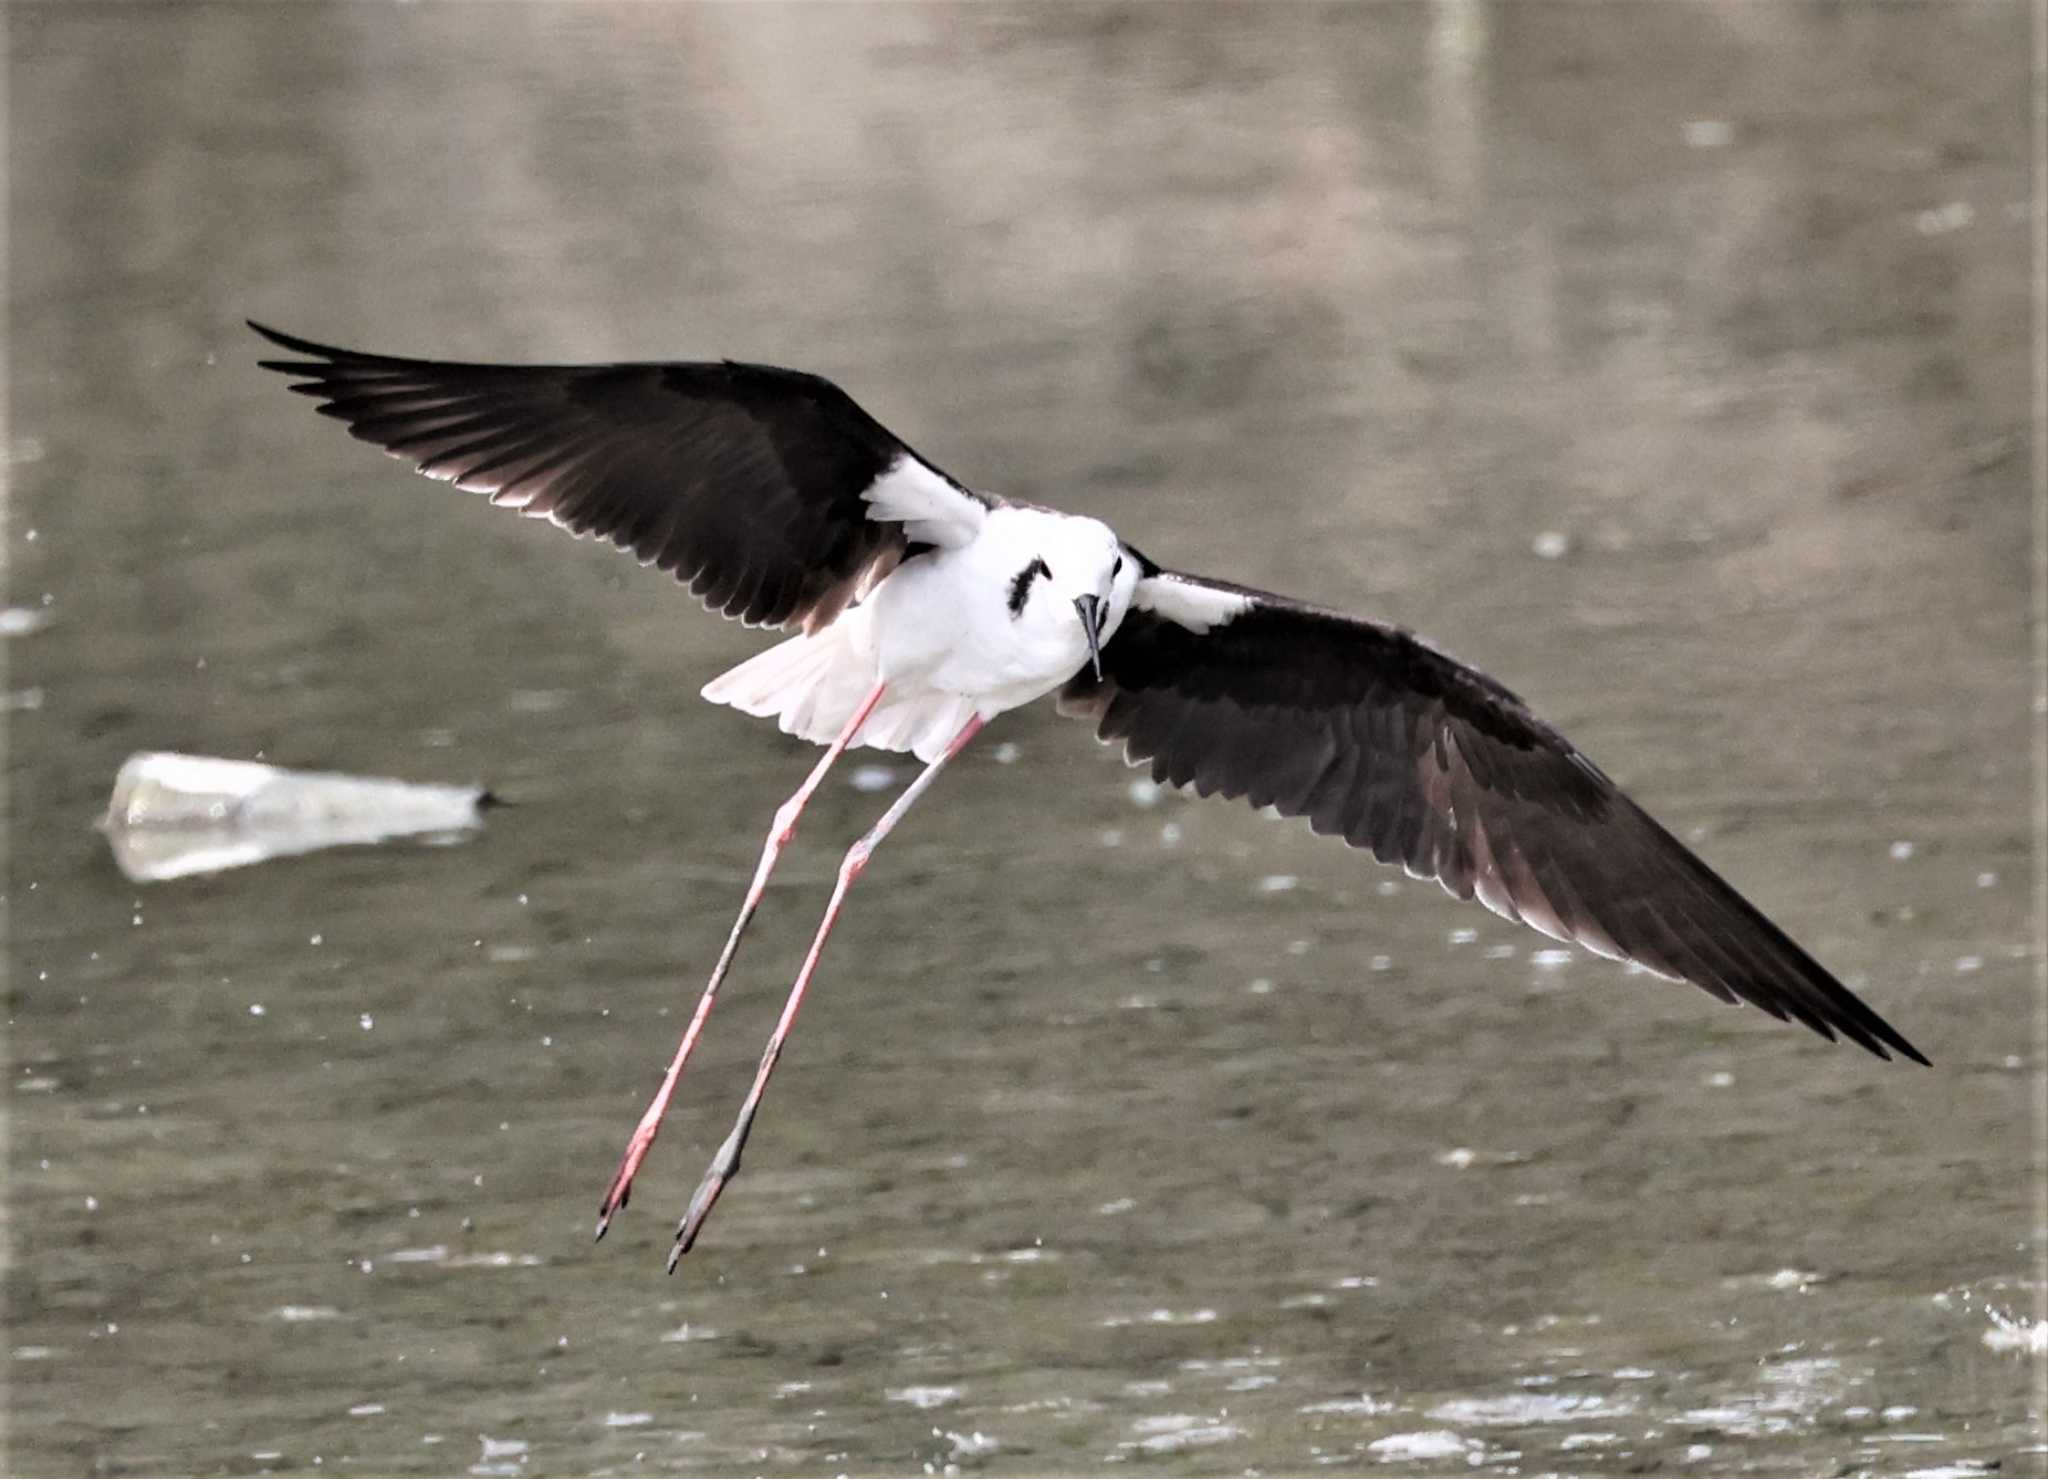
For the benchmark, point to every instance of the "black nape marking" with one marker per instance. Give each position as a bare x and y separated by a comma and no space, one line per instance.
1020,588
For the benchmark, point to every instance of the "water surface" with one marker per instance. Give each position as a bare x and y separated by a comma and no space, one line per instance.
1668,360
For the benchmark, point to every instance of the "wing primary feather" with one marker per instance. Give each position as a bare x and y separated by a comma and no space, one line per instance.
1377,737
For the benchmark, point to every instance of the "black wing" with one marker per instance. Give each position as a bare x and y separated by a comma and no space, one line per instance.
1376,737
753,485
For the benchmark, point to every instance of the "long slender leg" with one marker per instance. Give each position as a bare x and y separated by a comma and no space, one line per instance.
726,1164
778,838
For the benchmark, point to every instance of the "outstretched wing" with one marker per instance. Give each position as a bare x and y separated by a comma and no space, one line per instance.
1376,737
769,492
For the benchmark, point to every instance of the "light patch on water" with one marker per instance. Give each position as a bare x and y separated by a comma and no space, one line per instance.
1152,1387
434,1254
366,1409
2015,1333
923,1398
1589,1440
1525,1408
1463,1158
1956,215
1435,1443
1788,1280
627,1419
496,1260
295,1313
1551,959
1160,1317
500,1456
537,700
1960,1470
972,1445
34,1352
1796,1391
1174,1432
1278,883
871,778
1145,794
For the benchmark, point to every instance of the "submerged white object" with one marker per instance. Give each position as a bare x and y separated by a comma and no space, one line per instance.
174,815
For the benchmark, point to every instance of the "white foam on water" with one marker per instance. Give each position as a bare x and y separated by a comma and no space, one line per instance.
972,1445
2015,1333
1529,1407
1435,1443
923,1398
435,1254
687,1331
1175,1431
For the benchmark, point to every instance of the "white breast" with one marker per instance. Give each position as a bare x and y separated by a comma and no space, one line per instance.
943,621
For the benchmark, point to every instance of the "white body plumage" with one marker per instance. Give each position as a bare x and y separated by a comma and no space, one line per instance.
980,625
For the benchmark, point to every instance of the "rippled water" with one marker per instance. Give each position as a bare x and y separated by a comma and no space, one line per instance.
1669,360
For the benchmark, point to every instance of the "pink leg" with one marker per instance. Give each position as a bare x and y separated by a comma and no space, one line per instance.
726,1164
778,838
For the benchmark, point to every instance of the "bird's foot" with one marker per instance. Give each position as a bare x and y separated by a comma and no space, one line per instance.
620,1191
723,1167
701,1203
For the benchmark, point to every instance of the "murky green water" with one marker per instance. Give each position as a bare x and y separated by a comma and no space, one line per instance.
1120,1129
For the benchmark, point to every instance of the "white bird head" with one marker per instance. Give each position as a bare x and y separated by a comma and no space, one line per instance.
1072,575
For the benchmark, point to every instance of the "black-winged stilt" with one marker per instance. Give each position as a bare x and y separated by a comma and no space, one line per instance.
922,609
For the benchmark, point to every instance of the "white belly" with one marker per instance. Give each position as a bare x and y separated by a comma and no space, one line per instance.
939,634
941,624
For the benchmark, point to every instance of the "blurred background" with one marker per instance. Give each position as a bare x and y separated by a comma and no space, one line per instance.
1667,360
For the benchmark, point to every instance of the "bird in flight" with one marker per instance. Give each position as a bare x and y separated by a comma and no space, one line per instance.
918,609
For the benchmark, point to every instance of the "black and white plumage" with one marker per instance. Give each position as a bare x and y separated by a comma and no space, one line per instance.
921,608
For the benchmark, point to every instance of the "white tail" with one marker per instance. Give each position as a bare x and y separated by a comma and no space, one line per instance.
811,684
